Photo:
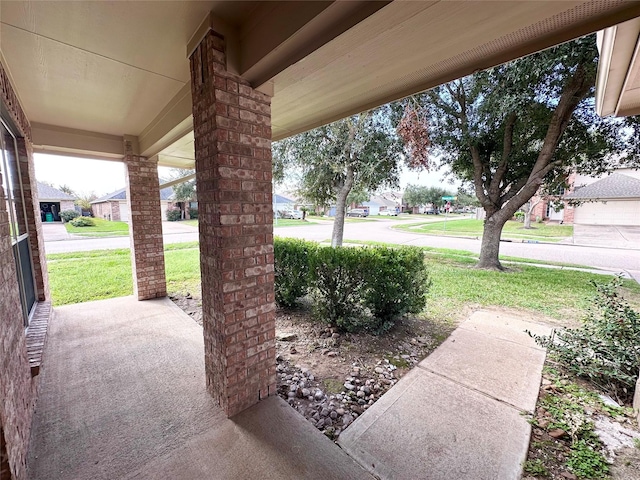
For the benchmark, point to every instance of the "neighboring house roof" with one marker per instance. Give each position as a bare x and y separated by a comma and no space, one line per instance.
615,185
165,194
282,199
381,201
46,192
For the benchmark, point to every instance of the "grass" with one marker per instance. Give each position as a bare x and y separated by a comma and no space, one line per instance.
289,222
193,222
84,276
102,228
473,228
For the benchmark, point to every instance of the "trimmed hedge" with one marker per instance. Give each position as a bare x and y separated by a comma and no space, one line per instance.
83,222
68,215
352,288
291,269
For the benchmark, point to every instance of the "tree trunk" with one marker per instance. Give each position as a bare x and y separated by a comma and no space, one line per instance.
490,249
341,204
527,219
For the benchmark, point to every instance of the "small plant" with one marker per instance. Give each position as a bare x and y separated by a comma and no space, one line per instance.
193,213
519,216
606,349
83,222
535,467
68,215
586,461
173,214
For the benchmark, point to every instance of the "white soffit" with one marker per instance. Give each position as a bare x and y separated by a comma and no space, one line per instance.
408,47
617,88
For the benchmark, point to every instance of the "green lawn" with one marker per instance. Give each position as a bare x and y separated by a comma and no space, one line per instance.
102,228
473,228
562,294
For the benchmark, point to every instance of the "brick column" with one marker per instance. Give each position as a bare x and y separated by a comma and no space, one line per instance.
145,226
232,127
34,220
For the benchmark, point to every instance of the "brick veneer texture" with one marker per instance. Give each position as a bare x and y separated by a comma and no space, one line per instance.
34,220
17,390
15,377
147,253
232,127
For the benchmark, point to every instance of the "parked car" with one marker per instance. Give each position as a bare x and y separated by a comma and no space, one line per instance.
460,210
432,211
357,212
293,214
390,212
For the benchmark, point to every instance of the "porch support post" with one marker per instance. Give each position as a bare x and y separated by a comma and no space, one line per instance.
145,227
232,128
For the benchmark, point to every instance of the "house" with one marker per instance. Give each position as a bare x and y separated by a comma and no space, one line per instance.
280,202
53,201
209,85
381,203
554,207
115,207
610,200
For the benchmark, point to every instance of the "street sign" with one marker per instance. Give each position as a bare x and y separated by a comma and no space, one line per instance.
449,198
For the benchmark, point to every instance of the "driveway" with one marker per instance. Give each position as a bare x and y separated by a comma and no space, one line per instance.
55,232
613,236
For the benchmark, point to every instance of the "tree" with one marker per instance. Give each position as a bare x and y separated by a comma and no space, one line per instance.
183,192
84,200
357,154
514,128
67,189
419,196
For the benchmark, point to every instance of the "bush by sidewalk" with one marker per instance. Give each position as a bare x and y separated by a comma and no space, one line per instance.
352,288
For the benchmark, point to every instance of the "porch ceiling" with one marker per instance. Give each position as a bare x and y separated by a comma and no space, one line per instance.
88,73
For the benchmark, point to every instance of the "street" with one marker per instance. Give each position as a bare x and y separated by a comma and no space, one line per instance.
615,259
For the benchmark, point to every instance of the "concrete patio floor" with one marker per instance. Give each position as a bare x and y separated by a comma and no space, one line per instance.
123,396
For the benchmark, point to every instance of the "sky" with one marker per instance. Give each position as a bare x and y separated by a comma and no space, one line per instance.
103,176
82,175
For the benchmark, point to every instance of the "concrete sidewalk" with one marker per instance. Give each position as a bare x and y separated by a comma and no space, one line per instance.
122,396
461,413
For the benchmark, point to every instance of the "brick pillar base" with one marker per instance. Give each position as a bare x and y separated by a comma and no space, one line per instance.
145,227
232,127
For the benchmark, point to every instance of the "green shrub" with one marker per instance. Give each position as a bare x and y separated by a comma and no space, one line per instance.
291,269
173,214
396,282
83,222
193,213
519,216
337,276
68,215
606,349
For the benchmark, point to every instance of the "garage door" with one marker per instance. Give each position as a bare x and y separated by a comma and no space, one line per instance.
614,212
125,212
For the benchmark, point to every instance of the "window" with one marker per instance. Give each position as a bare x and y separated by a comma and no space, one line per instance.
13,200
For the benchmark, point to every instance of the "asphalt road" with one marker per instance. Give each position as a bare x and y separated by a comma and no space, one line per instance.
615,259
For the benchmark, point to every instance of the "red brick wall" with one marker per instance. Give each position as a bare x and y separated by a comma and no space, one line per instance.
232,126
16,387
34,220
145,227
